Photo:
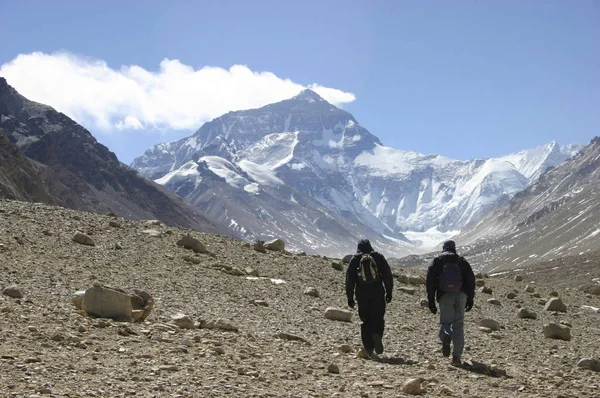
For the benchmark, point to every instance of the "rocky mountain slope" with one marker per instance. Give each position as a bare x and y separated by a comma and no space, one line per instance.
555,217
307,150
52,159
283,346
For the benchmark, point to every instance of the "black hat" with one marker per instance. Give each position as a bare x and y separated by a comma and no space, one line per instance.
364,246
449,246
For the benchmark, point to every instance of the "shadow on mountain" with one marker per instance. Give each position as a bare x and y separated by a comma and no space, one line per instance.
482,368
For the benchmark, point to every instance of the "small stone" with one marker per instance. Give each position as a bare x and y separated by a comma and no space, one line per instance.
333,368
311,291
57,337
77,299
275,245
555,304
494,301
168,368
337,314
251,271
423,303
346,259
566,323
553,293
490,324
486,290
525,313
511,295
190,243
412,386
346,348
529,289
589,363
518,278
183,321
13,291
83,239
556,331
407,290
260,303
114,224
337,265
479,283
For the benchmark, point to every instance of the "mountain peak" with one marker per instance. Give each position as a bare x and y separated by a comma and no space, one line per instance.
309,95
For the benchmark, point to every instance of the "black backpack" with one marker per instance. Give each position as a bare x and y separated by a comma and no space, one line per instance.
450,280
368,271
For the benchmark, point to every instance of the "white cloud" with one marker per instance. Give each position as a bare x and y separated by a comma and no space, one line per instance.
133,98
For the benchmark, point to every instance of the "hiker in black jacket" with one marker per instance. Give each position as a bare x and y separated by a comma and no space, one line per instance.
370,277
450,279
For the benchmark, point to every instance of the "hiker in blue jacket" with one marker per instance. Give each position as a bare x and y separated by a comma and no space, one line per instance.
370,277
450,280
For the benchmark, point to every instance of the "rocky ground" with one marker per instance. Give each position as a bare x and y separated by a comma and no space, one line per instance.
284,346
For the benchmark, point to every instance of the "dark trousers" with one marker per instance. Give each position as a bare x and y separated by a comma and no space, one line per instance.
371,311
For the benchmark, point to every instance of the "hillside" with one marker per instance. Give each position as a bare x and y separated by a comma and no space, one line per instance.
49,349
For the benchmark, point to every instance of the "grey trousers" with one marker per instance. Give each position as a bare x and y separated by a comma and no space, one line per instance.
452,315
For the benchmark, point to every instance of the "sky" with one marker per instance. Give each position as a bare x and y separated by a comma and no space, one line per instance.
462,79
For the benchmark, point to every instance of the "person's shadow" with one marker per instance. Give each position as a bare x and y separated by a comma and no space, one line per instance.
482,368
395,361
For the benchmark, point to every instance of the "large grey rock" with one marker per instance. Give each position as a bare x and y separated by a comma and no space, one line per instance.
555,331
337,314
490,324
190,243
412,386
83,239
555,304
591,289
337,265
104,302
346,259
589,363
276,245
525,313
13,291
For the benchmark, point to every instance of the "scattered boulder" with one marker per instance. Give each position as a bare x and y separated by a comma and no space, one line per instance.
494,301
346,259
479,282
589,363
221,324
251,271
593,289
191,259
518,278
259,246
555,304
346,348
553,293
529,289
337,314
407,290
152,232
311,291
77,299
333,368
183,321
337,265
291,337
555,331
83,239
412,386
511,295
260,303
490,324
525,313
152,223
416,280
276,245
104,302
114,224
479,275
13,291
190,243
486,290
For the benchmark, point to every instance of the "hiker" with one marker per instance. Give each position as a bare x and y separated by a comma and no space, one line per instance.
450,280
370,277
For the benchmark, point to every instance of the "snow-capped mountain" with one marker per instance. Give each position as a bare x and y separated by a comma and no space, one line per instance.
307,150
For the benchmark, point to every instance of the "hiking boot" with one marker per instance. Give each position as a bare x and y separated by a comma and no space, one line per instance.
446,348
378,343
456,360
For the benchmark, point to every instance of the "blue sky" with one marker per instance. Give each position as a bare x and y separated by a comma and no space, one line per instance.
462,79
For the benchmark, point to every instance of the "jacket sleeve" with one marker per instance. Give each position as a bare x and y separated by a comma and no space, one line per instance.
468,279
386,273
432,281
351,278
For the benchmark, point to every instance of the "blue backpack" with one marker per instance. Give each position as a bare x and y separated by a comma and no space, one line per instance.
451,277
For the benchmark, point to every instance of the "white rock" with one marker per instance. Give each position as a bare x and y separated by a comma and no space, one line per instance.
407,290
311,291
589,363
412,386
337,314
494,301
77,299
